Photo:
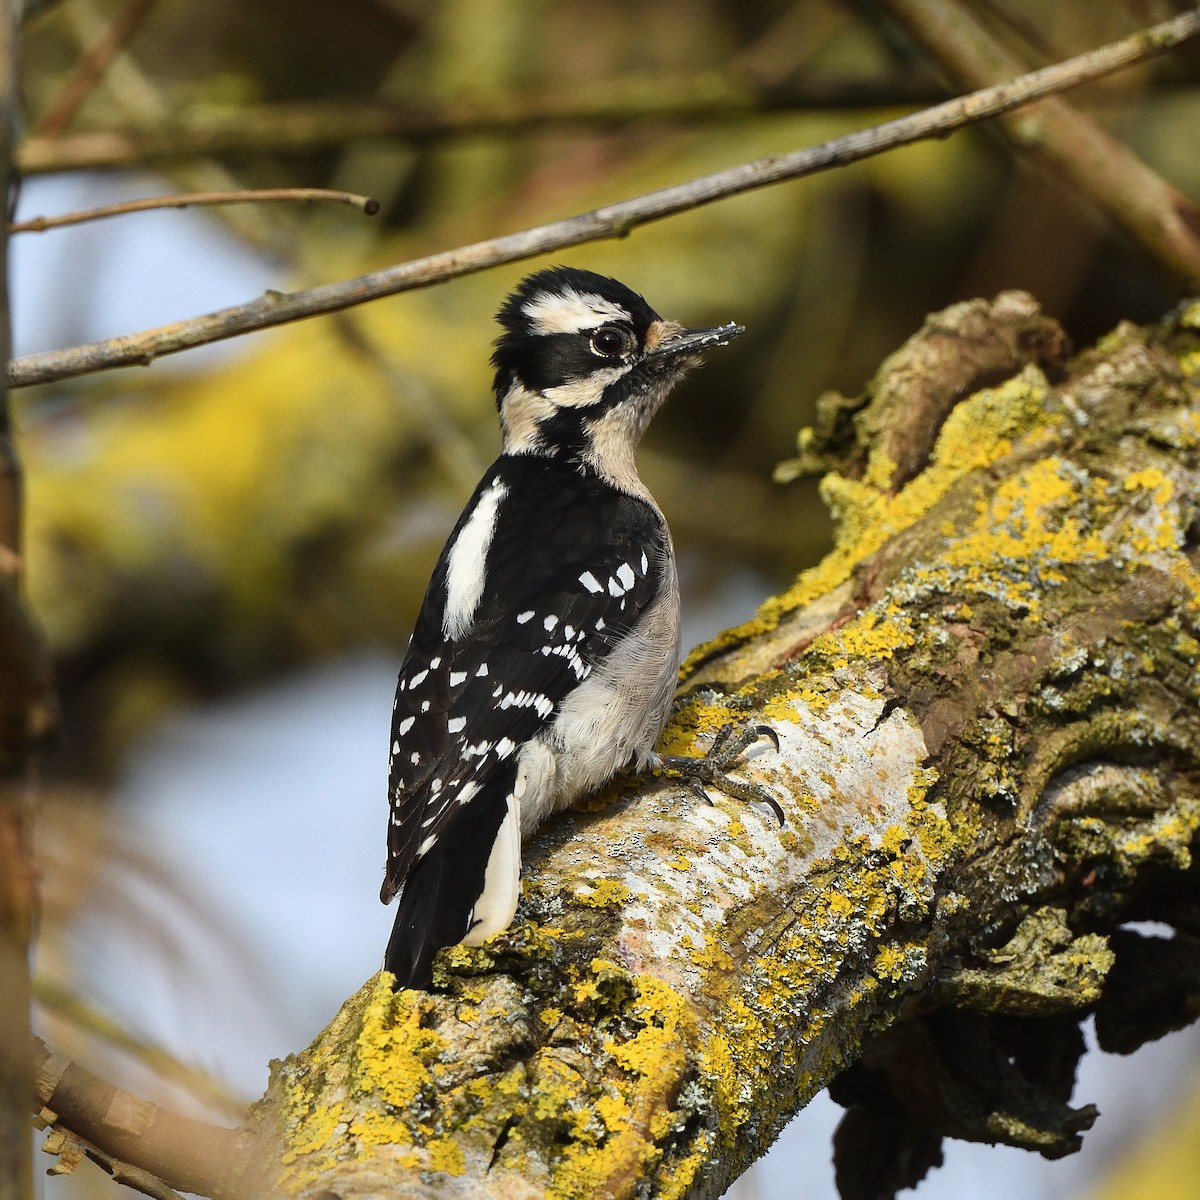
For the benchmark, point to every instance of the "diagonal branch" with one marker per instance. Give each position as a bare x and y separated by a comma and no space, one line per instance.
304,128
990,748
1065,142
91,67
185,1154
614,220
989,761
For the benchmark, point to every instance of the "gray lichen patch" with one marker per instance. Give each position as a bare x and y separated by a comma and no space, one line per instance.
1042,970
844,775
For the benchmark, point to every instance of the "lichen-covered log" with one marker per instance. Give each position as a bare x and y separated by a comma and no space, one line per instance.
986,699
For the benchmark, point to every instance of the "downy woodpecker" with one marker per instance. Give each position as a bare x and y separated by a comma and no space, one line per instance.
545,654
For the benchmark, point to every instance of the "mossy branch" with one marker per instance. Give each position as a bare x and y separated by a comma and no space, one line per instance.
986,698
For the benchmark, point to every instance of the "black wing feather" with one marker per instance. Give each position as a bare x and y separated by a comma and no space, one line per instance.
571,565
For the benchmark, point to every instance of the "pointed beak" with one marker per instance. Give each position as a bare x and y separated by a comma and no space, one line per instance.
692,341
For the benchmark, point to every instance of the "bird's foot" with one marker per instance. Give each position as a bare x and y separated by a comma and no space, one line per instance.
713,769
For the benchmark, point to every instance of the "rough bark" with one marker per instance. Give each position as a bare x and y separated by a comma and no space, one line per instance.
986,699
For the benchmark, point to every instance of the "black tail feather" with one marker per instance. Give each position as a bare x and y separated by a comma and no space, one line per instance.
439,895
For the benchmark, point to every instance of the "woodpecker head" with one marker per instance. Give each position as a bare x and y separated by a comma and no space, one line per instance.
584,363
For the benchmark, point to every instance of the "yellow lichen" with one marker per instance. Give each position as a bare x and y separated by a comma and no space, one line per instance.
385,1068
889,963
979,431
636,1111
602,893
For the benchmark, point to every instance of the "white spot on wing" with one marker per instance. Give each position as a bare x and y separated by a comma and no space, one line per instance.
456,724
590,582
405,726
625,575
419,677
466,566
527,615
550,622
457,677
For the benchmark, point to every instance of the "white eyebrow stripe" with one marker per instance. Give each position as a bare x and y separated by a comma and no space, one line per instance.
571,311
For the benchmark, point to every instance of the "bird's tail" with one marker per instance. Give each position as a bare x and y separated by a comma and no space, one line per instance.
450,887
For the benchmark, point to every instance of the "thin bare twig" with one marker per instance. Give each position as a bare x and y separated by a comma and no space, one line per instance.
1065,142
614,220
195,199
91,67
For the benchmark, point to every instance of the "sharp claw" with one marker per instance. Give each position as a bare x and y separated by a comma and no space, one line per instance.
728,745
775,807
766,731
755,793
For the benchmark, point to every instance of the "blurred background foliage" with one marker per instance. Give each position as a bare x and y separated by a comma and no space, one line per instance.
205,526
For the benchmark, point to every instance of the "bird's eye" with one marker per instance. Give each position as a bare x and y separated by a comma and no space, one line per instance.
610,341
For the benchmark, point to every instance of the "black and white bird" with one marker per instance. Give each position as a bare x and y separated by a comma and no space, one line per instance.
545,654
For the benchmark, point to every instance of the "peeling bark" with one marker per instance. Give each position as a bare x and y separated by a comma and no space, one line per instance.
986,700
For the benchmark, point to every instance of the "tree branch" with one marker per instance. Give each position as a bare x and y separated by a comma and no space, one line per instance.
305,128
59,113
196,199
990,753
72,1150
189,1155
1104,171
615,220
